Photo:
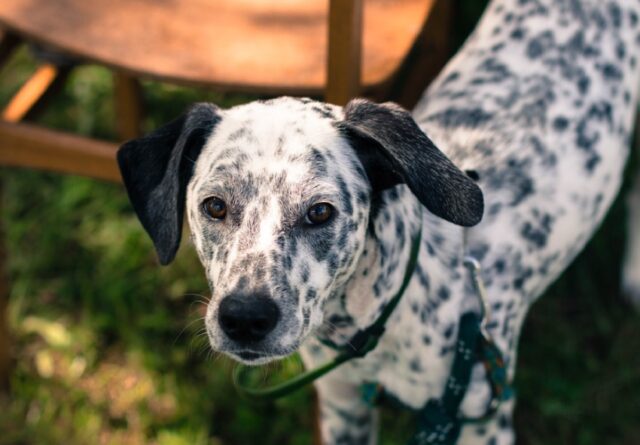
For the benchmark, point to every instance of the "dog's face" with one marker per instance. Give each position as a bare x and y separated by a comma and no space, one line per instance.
278,207
278,197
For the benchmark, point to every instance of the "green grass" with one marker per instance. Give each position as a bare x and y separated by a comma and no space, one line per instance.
110,348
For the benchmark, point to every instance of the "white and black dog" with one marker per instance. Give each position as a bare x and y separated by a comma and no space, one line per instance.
302,213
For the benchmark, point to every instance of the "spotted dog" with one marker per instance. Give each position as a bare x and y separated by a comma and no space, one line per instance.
302,213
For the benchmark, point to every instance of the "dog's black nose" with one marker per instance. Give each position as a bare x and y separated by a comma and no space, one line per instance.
247,318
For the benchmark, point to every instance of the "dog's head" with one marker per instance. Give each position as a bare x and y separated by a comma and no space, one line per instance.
278,198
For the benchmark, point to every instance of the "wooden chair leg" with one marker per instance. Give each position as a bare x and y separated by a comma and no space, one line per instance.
5,353
27,145
35,93
430,52
317,436
8,43
128,105
344,51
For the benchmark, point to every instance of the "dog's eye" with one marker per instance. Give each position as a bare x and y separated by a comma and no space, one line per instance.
215,207
319,213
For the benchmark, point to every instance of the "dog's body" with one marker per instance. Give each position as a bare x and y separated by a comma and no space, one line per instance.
537,107
540,103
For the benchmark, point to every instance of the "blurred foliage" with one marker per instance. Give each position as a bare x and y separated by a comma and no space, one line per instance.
110,347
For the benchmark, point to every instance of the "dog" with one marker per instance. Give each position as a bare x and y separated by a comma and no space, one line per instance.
303,213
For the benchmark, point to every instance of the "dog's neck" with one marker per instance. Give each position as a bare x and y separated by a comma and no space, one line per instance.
382,266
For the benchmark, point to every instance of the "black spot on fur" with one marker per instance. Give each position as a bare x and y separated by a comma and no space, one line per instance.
451,77
288,263
494,209
491,71
616,15
423,277
318,162
540,44
515,178
621,50
323,111
497,47
238,134
448,332
443,293
560,123
611,72
400,235
461,117
304,273
519,282
311,295
587,135
518,34
345,194
415,365
479,251
504,422
340,320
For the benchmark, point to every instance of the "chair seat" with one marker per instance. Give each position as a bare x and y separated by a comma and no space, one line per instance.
244,45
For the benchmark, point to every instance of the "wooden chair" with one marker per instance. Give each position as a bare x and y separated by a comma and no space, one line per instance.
336,48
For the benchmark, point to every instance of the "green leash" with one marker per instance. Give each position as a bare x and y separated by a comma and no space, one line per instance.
439,421
360,345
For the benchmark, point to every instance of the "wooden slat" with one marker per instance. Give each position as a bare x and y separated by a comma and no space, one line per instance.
345,51
25,145
128,105
32,92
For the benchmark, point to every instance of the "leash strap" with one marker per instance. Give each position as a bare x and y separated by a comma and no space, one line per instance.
439,422
360,345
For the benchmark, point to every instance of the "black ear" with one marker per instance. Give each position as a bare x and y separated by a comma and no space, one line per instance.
394,150
156,169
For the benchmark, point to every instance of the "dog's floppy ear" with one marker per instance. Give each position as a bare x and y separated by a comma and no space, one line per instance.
394,150
156,169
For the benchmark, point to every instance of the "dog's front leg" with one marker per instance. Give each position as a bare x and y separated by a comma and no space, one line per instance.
345,419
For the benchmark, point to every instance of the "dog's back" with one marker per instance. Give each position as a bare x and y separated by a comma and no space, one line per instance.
540,103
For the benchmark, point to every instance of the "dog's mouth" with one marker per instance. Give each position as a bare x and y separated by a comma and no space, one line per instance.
254,358
249,355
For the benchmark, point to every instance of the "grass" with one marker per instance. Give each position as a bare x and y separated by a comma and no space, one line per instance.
110,349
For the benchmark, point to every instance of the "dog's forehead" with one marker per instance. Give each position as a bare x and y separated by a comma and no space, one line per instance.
295,139
278,128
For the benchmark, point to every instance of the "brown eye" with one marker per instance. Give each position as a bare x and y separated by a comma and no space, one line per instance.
215,207
319,213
